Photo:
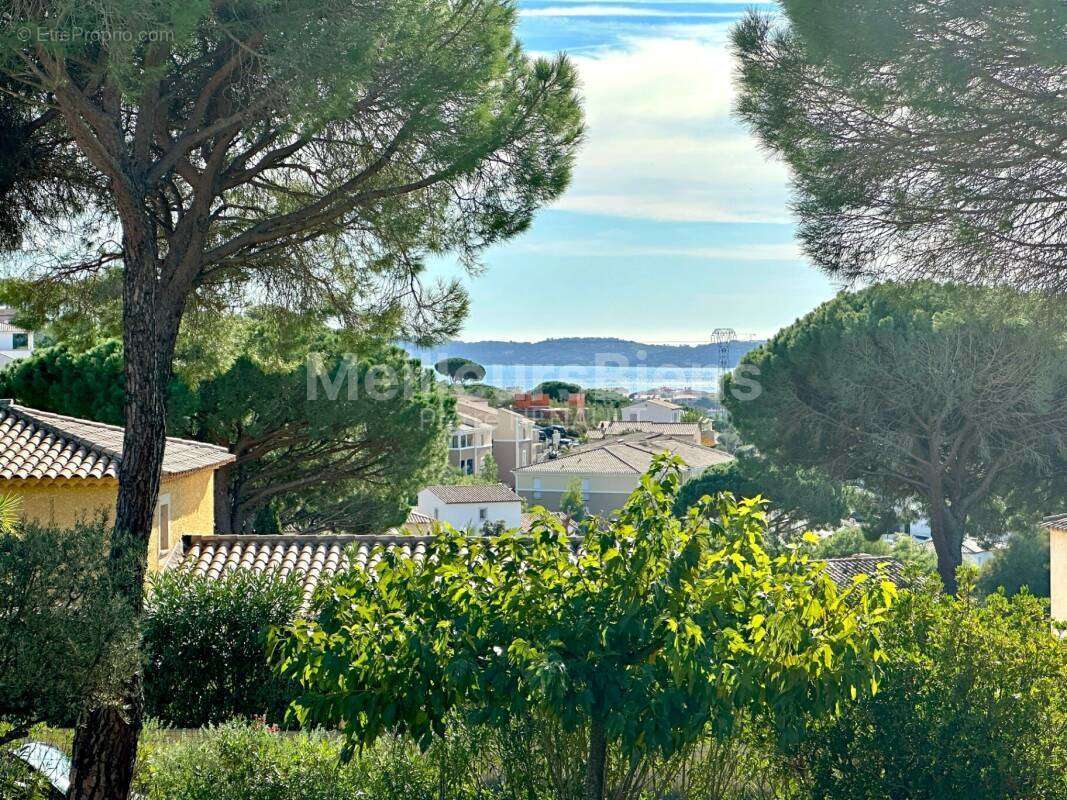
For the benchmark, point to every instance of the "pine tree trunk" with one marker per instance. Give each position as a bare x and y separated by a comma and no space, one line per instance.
947,534
597,763
105,742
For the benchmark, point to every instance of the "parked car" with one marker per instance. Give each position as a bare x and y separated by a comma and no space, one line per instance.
45,760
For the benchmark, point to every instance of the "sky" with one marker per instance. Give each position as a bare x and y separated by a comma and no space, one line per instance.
675,222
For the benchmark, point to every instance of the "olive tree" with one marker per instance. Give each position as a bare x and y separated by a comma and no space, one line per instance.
647,634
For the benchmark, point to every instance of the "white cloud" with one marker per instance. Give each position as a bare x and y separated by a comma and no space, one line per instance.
611,10
604,248
661,141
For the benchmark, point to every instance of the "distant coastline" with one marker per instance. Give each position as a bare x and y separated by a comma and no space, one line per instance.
586,352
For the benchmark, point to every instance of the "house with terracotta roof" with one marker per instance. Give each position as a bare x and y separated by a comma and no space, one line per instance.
684,430
64,469
609,469
313,560
471,507
652,410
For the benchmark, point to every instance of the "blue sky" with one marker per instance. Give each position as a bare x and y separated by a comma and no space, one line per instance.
675,222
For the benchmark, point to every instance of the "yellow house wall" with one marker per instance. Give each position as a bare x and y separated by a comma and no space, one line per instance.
192,508
1058,572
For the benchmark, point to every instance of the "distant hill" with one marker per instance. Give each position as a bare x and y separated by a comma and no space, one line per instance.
585,352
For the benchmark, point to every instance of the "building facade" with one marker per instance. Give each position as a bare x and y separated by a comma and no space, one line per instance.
652,410
471,507
608,470
1057,530
514,437
64,470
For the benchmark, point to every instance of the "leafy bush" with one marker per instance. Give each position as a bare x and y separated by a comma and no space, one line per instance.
63,632
1023,563
661,628
972,704
240,761
205,646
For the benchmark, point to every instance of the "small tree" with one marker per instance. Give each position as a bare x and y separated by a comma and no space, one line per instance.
63,634
796,498
572,502
1022,564
658,629
460,370
558,390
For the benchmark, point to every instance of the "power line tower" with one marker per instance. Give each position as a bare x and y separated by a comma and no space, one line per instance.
722,337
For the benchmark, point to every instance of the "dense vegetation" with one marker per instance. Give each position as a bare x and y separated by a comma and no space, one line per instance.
972,704
348,458
204,643
661,630
949,397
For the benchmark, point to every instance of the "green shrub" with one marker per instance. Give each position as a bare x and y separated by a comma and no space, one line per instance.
18,782
239,761
1023,563
205,647
64,634
972,704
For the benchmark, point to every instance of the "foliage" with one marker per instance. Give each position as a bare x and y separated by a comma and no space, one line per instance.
690,414
572,501
1022,564
972,703
851,540
204,643
605,397
917,133
333,444
63,633
797,498
18,782
10,505
559,391
460,370
870,384
253,762
85,384
237,155
661,627
496,397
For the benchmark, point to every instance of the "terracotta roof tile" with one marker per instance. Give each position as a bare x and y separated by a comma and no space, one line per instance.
41,445
844,568
629,454
477,493
314,559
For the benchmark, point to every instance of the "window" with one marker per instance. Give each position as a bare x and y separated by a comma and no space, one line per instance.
20,341
467,465
459,442
524,456
537,488
437,513
483,514
585,489
633,418
164,523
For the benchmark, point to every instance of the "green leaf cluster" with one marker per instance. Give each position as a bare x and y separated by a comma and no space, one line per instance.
651,628
972,705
